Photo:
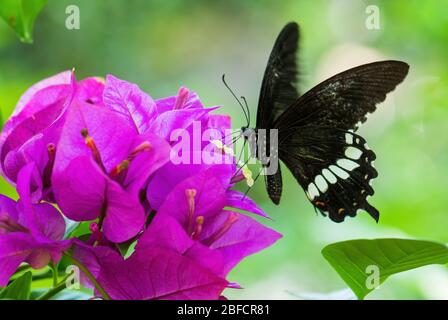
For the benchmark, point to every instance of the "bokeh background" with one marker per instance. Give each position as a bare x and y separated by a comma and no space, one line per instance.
162,45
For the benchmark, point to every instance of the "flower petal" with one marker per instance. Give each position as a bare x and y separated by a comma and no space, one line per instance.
42,219
162,278
171,174
58,79
208,201
238,200
149,273
165,232
35,124
8,209
84,193
111,133
129,102
166,124
80,189
91,90
245,237
146,162
125,217
15,248
191,102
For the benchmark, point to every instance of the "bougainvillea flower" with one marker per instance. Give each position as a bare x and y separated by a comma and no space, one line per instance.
198,202
166,264
101,165
102,150
29,232
33,131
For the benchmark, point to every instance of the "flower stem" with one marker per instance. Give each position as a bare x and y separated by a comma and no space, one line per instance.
54,270
89,275
55,290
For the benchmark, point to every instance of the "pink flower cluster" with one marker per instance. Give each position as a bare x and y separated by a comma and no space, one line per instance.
98,152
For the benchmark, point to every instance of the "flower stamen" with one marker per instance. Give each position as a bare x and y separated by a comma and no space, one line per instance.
198,228
233,217
191,194
92,146
119,172
51,151
181,98
143,147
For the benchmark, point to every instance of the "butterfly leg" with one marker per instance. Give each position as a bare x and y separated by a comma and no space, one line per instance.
255,180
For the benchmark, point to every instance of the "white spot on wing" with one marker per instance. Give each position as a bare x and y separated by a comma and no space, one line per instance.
339,172
353,153
348,138
347,164
329,176
312,191
321,183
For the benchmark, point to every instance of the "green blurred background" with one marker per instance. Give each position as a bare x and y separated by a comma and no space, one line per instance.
162,45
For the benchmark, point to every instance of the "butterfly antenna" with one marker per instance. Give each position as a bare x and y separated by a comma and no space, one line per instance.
232,133
247,108
236,98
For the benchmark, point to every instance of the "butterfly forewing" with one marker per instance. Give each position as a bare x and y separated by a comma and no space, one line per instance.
279,89
344,100
278,92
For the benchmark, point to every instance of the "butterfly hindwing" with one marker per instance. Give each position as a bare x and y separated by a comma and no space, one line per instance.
274,186
334,167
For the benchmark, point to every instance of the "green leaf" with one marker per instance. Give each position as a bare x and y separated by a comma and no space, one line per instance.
356,260
19,289
20,15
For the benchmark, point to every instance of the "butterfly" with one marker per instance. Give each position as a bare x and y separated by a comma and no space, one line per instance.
316,131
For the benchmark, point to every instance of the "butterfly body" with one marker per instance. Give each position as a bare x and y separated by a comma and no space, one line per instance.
316,131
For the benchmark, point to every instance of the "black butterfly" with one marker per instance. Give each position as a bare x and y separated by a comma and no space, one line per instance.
316,138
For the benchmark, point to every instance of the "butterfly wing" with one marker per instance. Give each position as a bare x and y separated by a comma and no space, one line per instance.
333,166
278,91
344,100
316,142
